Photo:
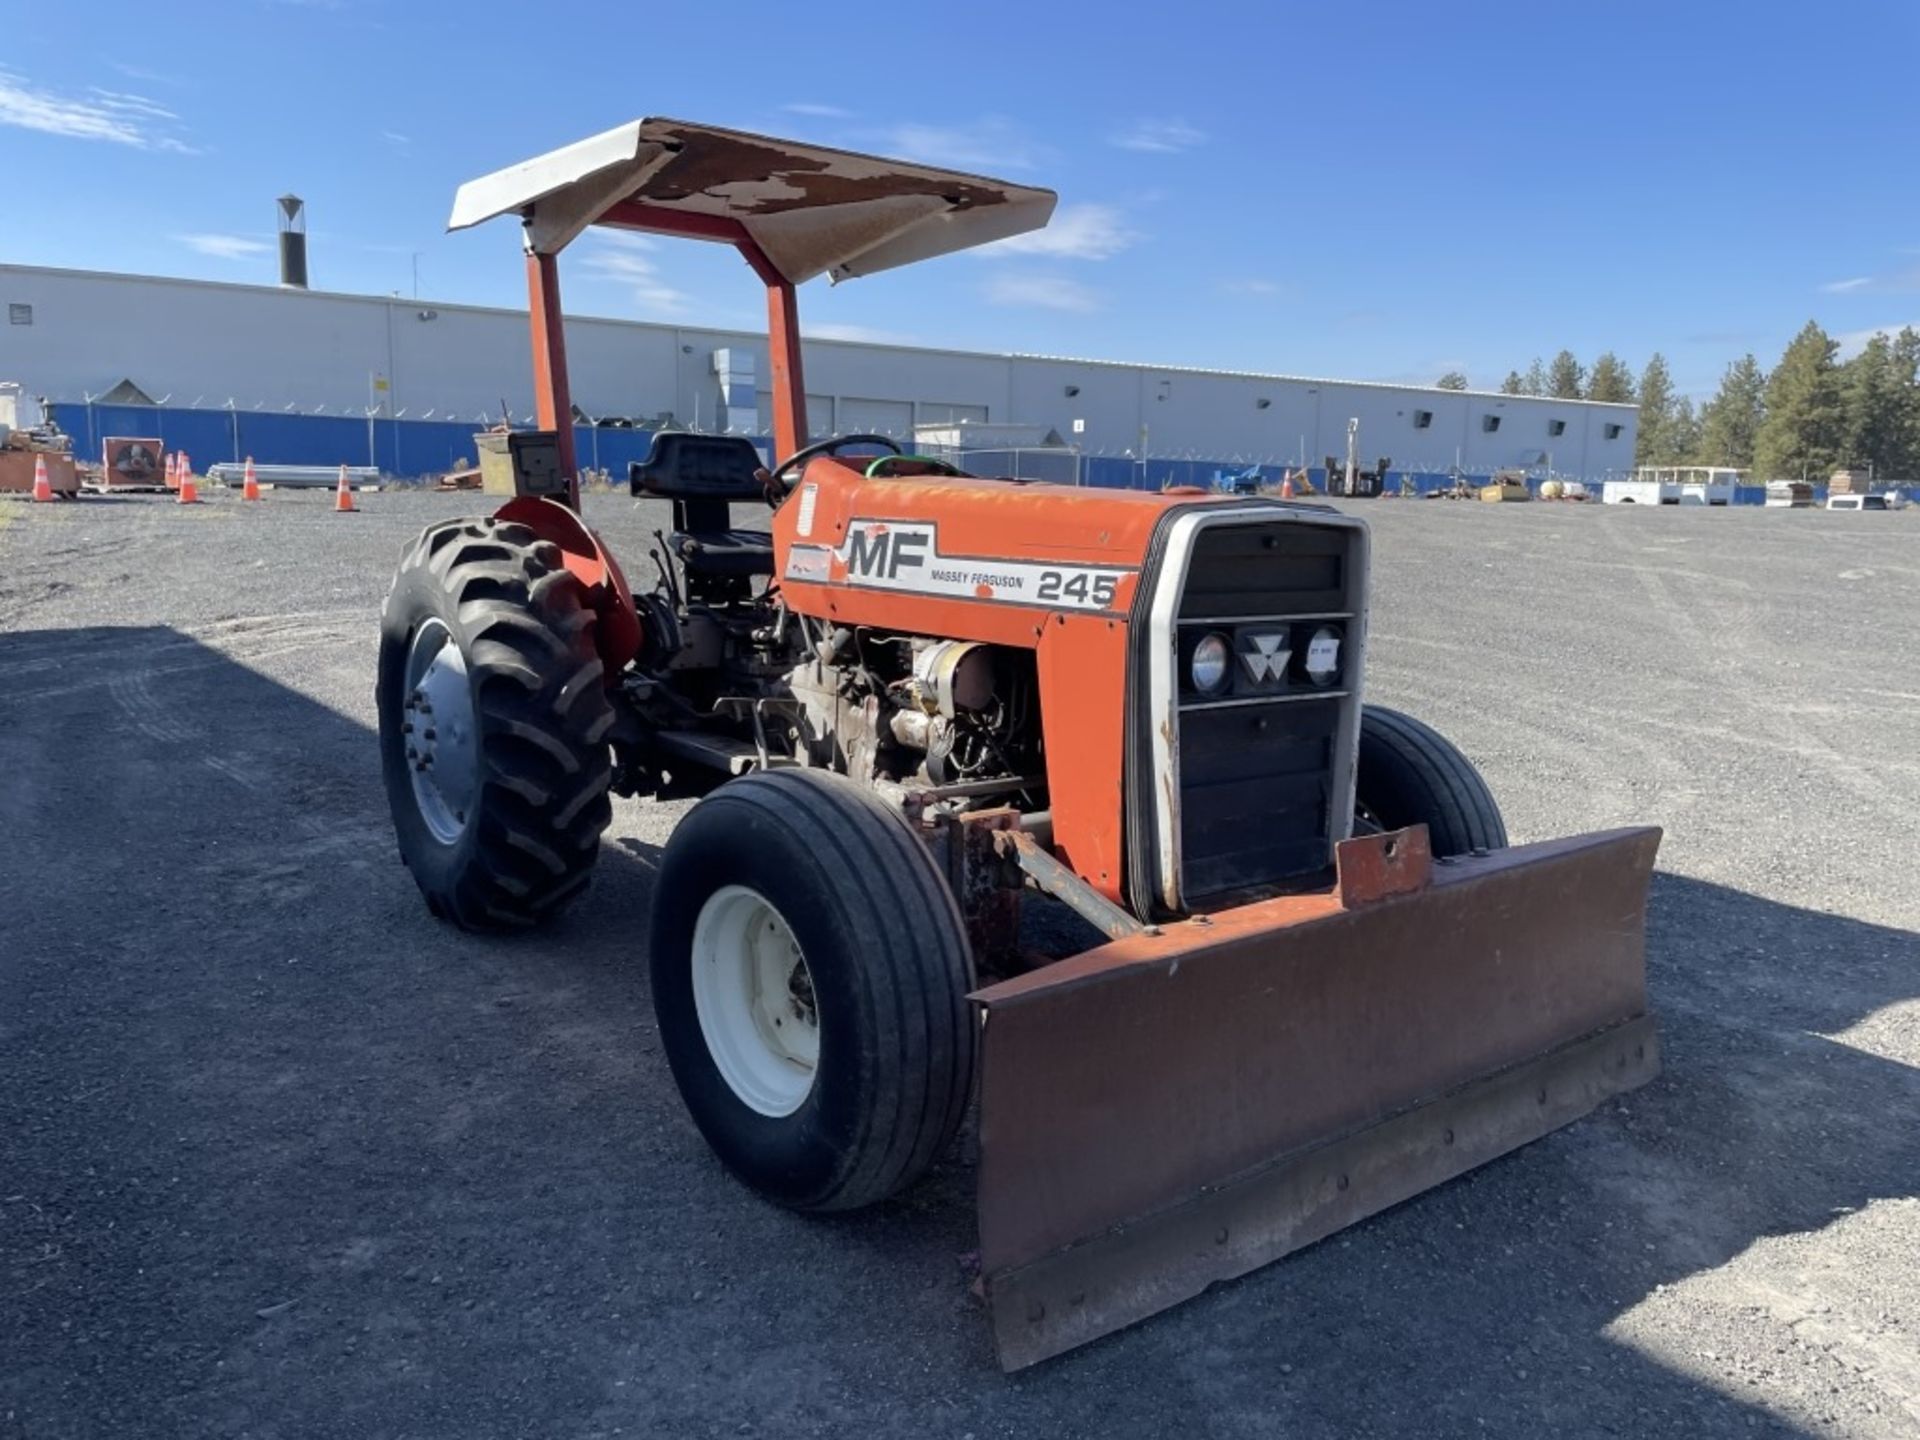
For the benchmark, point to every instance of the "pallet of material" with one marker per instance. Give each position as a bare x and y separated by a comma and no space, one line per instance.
295,477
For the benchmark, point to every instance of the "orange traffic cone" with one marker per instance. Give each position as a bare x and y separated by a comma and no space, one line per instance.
189,491
1286,486
170,470
250,487
42,486
343,496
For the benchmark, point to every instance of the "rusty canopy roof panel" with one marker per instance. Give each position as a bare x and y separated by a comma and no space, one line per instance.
810,209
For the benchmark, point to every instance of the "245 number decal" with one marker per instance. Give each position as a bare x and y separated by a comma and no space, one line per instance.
1077,587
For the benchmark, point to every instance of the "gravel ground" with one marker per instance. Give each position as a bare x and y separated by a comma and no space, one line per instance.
279,1156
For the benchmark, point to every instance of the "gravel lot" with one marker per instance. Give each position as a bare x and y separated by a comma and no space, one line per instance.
280,1156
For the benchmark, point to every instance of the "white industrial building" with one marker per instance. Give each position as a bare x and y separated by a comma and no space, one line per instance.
72,335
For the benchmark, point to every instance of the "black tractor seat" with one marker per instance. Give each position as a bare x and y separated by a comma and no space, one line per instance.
704,475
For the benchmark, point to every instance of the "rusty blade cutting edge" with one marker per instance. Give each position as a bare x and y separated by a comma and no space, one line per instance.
1126,1274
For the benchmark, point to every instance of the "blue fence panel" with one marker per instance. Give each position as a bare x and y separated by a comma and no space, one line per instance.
405,449
409,449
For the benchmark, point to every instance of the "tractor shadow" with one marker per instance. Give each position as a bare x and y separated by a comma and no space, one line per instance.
274,1143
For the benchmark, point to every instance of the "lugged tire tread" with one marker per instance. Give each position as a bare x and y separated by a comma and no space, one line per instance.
543,713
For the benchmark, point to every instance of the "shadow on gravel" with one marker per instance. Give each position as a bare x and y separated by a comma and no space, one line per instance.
279,1155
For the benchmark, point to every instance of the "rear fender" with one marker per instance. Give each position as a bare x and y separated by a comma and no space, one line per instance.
618,635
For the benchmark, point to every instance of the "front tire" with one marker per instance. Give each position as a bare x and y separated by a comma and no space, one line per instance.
1411,774
488,674
810,974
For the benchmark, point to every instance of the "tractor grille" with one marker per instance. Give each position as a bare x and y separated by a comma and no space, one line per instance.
1254,794
1258,756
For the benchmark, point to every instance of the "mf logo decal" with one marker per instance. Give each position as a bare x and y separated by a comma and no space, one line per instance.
878,553
905,555
1265,654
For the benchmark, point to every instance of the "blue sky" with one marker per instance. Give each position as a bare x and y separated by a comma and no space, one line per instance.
1382,191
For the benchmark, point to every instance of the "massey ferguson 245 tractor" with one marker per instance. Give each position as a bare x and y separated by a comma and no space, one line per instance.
1311,979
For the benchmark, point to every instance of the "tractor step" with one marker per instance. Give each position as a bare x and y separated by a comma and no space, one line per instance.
711,752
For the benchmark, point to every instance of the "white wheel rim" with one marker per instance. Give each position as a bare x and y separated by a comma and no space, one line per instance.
441,732
753,994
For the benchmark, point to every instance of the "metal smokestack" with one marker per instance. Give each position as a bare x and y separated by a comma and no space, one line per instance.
293,241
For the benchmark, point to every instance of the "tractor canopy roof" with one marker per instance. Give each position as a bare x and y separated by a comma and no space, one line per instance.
811,210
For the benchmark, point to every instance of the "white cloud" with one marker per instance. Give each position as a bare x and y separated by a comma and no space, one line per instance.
868,334
1253,287
397,140
121,101
818,111
989,145
107,115
1898,282
614,238
619,257
1159,137
225,247
1077,232
1852,342
1045,292
135,72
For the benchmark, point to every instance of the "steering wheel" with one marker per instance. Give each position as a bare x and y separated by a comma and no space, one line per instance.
882,466
831,445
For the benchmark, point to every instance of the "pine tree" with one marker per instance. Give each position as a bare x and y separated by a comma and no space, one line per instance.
1906,368
1876,409
1805,428
1610,381
1534,382
1511,385
1654,443
1730,422
1452,380
1683,435
1565,379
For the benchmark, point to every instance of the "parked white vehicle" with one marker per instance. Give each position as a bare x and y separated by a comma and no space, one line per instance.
1675,485
1860,502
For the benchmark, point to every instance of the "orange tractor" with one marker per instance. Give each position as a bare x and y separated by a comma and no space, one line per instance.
1307,978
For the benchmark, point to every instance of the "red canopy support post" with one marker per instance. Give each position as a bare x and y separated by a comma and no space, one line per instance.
788,380
552,403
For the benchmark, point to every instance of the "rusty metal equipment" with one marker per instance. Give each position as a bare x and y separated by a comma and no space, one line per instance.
1306,977
132,463
25,448
1311,1061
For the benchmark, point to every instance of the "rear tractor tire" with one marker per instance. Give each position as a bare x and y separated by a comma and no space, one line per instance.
493,720
810,976
1411,774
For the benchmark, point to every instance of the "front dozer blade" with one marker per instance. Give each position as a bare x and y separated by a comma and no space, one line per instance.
1178,1108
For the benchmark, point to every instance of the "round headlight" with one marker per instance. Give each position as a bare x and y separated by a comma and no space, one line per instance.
1323,656
1208,668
